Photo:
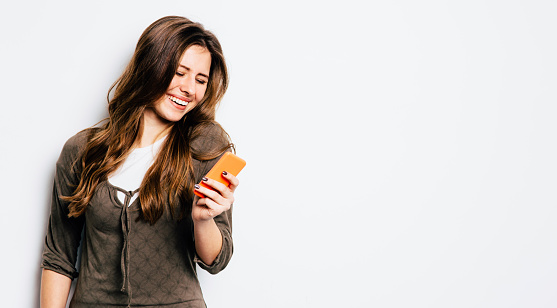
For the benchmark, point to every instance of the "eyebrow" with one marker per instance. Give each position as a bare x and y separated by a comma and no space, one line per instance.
187,68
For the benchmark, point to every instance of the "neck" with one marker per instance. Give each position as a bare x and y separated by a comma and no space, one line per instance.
154,128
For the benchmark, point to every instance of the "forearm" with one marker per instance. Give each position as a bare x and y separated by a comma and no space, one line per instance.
208,240
54,289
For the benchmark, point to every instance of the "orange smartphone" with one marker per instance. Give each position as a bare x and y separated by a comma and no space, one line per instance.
229,163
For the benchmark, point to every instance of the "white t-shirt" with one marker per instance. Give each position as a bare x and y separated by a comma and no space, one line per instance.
131,173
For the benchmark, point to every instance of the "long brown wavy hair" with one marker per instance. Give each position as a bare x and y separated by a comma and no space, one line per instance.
146,79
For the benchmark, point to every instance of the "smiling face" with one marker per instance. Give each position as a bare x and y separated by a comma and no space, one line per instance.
188,85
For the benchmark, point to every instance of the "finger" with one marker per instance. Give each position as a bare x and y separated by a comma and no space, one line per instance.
223,189
214,195
234,182
213,207
205,211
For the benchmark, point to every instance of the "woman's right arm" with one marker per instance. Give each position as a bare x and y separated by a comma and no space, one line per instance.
54,289
63,234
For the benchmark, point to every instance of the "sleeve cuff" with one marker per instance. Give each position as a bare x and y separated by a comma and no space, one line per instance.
70,273
221,260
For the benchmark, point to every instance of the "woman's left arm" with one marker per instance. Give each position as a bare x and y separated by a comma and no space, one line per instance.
208,236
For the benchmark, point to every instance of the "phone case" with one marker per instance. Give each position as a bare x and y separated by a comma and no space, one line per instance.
229,163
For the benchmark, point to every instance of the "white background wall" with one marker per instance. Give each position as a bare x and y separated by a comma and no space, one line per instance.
400,153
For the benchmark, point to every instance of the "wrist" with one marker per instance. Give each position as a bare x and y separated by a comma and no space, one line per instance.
201,223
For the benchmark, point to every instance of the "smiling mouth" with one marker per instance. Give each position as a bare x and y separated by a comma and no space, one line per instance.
178,101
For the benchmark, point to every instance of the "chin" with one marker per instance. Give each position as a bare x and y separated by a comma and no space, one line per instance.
175,118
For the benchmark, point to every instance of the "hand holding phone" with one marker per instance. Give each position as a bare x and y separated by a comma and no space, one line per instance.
229,163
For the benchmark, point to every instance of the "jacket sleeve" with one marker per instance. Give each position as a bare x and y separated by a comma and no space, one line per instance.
63,233
224,223
224,220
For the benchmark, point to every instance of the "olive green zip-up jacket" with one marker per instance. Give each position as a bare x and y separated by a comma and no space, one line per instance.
125,261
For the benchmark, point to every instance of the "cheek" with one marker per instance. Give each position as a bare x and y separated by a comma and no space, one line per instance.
173,84
200,93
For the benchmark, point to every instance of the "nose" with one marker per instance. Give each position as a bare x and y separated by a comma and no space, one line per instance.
187,84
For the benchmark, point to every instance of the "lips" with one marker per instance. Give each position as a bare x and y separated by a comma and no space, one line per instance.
178,101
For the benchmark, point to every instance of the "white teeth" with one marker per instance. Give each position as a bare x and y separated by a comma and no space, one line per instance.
178,101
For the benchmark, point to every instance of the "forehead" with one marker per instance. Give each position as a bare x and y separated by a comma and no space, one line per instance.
197,59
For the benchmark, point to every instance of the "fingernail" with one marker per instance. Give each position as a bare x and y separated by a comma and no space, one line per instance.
196,186
204,179
224,172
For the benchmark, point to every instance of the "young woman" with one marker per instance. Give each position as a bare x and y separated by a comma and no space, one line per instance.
129,184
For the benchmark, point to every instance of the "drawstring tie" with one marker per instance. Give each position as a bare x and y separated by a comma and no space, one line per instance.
125,257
